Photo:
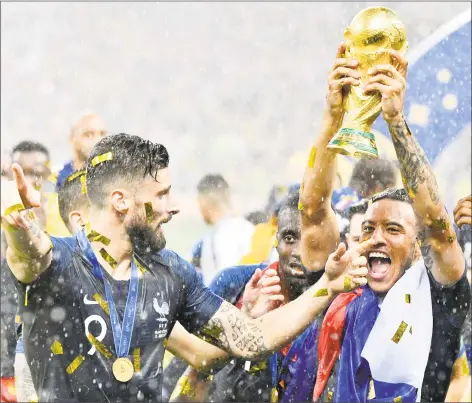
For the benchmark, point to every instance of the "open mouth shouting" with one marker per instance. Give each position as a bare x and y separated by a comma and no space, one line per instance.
379,265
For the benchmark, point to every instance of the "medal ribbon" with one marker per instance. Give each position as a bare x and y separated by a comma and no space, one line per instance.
121,333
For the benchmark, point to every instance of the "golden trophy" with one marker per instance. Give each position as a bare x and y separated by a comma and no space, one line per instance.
371,33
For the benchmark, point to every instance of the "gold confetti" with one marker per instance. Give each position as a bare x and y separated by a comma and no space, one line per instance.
99,346
31,215
137,359
330,396
26,295
94,236
262,365
347,283
102,158
183,388
451,239
399,333
149,212
83,182
17,319
13,209
142,270
300,206
164,343
311,160
276,243
408,298
112,262
75,364
103,304
397,399
371,394
274,395
323,292
56,348
75,175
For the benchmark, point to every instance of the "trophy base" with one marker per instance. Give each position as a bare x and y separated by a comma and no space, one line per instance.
355,143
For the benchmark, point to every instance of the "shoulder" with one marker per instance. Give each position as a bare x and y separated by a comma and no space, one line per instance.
175,262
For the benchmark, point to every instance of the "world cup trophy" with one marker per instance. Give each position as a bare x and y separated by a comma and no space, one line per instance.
367,38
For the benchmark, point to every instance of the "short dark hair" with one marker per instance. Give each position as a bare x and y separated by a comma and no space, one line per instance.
398,194
30,147
357,208
71,197
289,202
370,174
132,159
256,217
212,182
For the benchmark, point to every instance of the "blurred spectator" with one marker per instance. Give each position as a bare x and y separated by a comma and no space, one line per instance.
88,130
355,216
372,176
256,217
262,241
230,238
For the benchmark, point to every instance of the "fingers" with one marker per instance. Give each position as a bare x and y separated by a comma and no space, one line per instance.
466,220
278,297
463,203
359,281
341,50
28,198
388,70
386,80
358,272
382,88
255,279
362,247
297,273
360,261
339,252
271,290
269,281
400,60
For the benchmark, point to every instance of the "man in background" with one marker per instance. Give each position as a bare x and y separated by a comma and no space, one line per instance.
230,237
85,133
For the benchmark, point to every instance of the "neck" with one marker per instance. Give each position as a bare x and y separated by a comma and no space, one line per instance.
120,247
77,162
218,213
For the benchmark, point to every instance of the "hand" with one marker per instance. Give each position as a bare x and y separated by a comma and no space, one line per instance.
262,293
463,211
18,191
346,270
390,81
342,75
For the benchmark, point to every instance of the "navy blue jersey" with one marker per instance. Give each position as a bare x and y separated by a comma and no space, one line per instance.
62,308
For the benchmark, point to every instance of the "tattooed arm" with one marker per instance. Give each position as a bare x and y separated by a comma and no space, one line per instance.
441,251
28,247
320,233
241,336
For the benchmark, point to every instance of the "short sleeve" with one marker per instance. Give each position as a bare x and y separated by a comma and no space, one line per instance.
197,304
230,282
452,302
62,252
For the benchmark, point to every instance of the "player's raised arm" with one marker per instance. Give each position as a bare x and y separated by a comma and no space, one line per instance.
28,248
320,233
233,331
441,251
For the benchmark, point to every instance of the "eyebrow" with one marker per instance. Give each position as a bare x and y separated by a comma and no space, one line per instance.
388,223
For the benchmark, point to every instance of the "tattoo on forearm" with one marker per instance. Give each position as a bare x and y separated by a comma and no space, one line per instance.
246,335
415,167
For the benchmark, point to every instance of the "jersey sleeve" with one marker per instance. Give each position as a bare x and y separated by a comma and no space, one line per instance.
62,250
197,303
230,282
452,302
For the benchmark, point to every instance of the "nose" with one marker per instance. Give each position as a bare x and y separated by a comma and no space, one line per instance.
173,208
378,236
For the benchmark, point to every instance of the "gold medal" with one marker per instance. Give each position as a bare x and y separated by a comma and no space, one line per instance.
274,395
123,369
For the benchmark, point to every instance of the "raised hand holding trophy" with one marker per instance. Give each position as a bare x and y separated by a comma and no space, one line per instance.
370,34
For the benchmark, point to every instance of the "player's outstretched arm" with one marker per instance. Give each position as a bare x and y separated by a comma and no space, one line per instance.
441,251
28,248
234,332
320,233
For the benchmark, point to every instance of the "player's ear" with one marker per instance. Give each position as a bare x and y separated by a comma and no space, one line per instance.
120,200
